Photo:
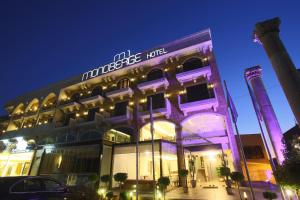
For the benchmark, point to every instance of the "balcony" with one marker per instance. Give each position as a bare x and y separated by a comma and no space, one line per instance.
126,116
69,105
193,74
164,110
153,85
92,99
198,105
120,93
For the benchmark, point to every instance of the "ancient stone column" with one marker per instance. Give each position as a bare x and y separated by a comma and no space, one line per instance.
253,76
267,33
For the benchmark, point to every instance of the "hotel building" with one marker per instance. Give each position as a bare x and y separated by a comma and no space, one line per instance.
89,124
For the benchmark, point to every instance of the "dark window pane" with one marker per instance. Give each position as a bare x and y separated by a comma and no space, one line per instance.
32,185
253,152
124,83
19,187
158,101
191,64
96,91
155,74
51,185
120,108
197,92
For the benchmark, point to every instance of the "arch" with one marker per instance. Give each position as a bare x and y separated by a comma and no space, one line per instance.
192,63
49,100
155,74
204,124
75,96
123,83
97,90
33,105
19,109
163,129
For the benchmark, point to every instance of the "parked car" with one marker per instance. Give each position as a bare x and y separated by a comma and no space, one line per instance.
32,188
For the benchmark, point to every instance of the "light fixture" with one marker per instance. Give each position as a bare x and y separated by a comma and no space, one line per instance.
132,79
289,193
29,125
143,100
89,92
104,87
179,66
167,95
143,76
166,69
77,114
210,85
111,107
245,195
40,123
101,109
195,80
85,113
45,122
131,103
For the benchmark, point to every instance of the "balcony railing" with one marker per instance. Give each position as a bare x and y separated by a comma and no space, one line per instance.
193,74
153,85
92,99
120,93
201,104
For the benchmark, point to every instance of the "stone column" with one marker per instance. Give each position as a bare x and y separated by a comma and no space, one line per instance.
253,76
180,153
267,33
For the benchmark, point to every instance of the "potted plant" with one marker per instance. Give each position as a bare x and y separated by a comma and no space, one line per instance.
225,172
183,174
105,179
163,183
109,195
269,195
192,169
237,177
120,178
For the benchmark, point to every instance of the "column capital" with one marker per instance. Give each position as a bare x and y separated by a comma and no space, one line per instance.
265,27
253,72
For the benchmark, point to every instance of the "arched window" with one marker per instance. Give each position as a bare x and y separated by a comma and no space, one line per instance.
191,64
97,91
155,74
124,83
75,97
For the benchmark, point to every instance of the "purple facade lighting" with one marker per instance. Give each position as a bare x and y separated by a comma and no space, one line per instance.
253,76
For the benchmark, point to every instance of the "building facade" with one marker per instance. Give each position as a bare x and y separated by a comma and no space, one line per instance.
89,124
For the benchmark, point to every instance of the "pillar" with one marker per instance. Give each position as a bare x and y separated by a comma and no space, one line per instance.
180,153
253,76
267,33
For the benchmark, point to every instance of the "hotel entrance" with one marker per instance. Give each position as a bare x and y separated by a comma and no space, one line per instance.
15,164
203,163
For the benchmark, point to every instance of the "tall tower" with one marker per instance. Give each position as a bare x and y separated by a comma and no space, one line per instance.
267,33
253,76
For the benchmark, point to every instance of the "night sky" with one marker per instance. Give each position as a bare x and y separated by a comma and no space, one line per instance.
46,41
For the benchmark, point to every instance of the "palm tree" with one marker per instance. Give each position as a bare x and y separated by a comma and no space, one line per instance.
237,177
163,182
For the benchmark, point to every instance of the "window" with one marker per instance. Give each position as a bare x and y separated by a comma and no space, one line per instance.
75,97
97,91
32,185
191,64
124,83
158,101
155,74
195,93
120,108
253,152
51,185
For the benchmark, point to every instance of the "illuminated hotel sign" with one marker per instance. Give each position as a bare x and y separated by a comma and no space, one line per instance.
122,60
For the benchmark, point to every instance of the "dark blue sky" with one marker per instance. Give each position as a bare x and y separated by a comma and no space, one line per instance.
46,41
